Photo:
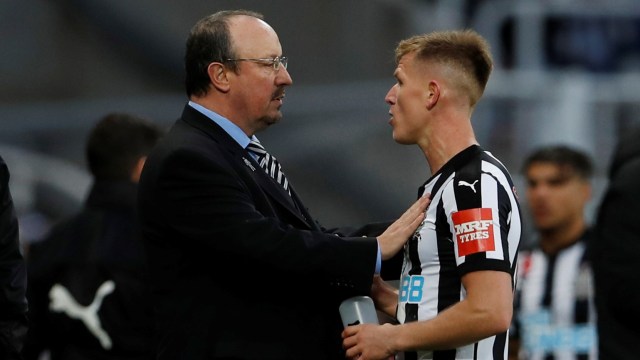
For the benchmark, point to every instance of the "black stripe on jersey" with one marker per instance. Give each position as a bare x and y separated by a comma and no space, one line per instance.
499,346
468,194
411,355
548,281
581,306
467,185
411,310
444,354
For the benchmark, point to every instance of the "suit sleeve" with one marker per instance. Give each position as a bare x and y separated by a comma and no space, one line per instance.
209,204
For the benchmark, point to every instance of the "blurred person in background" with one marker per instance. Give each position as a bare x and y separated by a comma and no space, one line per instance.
87,278
240,270
615,252
554,314
456,292
13,276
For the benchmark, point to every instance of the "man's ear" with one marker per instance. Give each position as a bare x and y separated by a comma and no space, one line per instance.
433,94
218,76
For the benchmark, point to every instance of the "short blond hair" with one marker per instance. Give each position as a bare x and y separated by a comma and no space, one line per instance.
463,50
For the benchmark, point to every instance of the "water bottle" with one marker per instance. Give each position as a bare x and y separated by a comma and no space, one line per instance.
358,310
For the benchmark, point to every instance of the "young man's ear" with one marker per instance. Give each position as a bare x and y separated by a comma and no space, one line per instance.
218,76
433,94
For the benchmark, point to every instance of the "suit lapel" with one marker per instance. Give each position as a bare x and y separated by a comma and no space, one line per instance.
267,183
243,160
303,210
274,190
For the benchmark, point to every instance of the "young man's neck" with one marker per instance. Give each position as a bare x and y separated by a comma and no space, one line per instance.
445,139
554,240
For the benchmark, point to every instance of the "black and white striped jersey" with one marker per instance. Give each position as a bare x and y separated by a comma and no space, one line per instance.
473,223
555,313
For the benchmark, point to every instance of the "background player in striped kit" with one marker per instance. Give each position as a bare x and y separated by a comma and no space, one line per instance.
554,316
456,292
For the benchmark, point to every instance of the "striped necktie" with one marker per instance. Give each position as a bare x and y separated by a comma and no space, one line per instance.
269,163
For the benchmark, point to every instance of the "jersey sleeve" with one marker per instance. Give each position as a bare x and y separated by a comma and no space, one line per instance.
480,205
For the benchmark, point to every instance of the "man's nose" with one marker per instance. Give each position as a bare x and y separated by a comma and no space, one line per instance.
391,96
283,77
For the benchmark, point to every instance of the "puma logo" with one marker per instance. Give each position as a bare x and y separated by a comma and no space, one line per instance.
472,186
62,301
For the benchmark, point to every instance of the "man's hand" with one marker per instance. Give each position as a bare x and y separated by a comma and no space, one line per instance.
369,342
397,234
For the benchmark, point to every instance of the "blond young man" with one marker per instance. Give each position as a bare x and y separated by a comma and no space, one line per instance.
456,292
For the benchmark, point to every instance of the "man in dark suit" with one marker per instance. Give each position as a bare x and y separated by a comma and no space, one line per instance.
615,249
240,270
13,276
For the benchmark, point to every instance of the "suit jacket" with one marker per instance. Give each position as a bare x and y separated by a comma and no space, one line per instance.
239,269
13,276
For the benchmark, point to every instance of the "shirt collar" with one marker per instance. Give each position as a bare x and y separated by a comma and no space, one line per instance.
230,128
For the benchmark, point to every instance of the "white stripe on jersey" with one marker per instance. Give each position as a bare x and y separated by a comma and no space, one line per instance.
431,256
514,216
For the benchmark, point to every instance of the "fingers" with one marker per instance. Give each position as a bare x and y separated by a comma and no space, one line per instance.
350,331
416,222
352,351
417,210
349,341
415,214
353,354
397,234
423,202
